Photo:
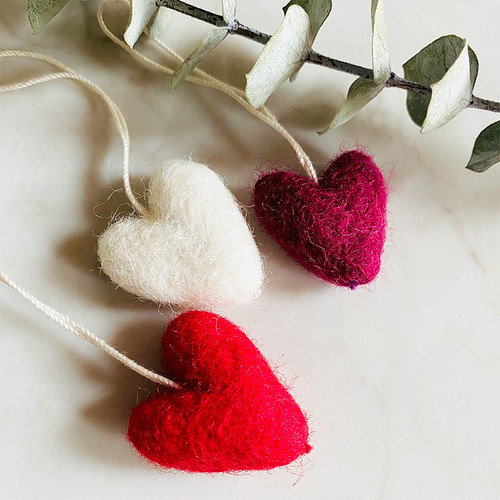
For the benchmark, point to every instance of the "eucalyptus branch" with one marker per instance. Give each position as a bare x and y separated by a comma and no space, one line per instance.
313,57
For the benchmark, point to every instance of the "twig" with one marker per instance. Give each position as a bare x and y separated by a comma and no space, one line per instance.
486,104
313,57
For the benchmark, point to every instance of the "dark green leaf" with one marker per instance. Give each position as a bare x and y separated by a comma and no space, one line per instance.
429,66
474,67
450,95
486,151
40,12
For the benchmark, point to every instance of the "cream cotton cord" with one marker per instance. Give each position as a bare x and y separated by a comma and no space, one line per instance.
57,316
117,115
87,335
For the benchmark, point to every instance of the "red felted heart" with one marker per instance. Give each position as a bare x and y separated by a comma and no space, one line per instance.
232,413
334,228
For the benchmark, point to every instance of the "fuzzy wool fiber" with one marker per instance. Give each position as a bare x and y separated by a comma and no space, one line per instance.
194,248
232,413
334,228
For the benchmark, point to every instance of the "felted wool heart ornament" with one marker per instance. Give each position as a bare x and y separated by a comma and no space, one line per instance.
334,228
232,413
193,248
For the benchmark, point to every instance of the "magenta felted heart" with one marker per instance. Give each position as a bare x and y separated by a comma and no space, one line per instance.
334,228
232,413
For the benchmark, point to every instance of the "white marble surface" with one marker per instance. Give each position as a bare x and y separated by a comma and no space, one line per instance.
401,378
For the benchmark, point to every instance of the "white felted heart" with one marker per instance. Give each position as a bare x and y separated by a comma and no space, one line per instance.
193,248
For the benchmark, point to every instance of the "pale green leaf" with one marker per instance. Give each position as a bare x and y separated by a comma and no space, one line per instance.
228,10
211,40
281,57
141,13
317,10
429,66
40,12
361,92
381,60
486,151
450,95
160,22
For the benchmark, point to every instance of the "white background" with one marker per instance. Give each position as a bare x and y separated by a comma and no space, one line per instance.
400,378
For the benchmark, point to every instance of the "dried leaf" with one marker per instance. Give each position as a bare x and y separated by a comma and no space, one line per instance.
317,10
228,10
40,12
281,57
429,66
450,95
486,151
211,40
141,13
381,60
160,22
474,67
361,92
